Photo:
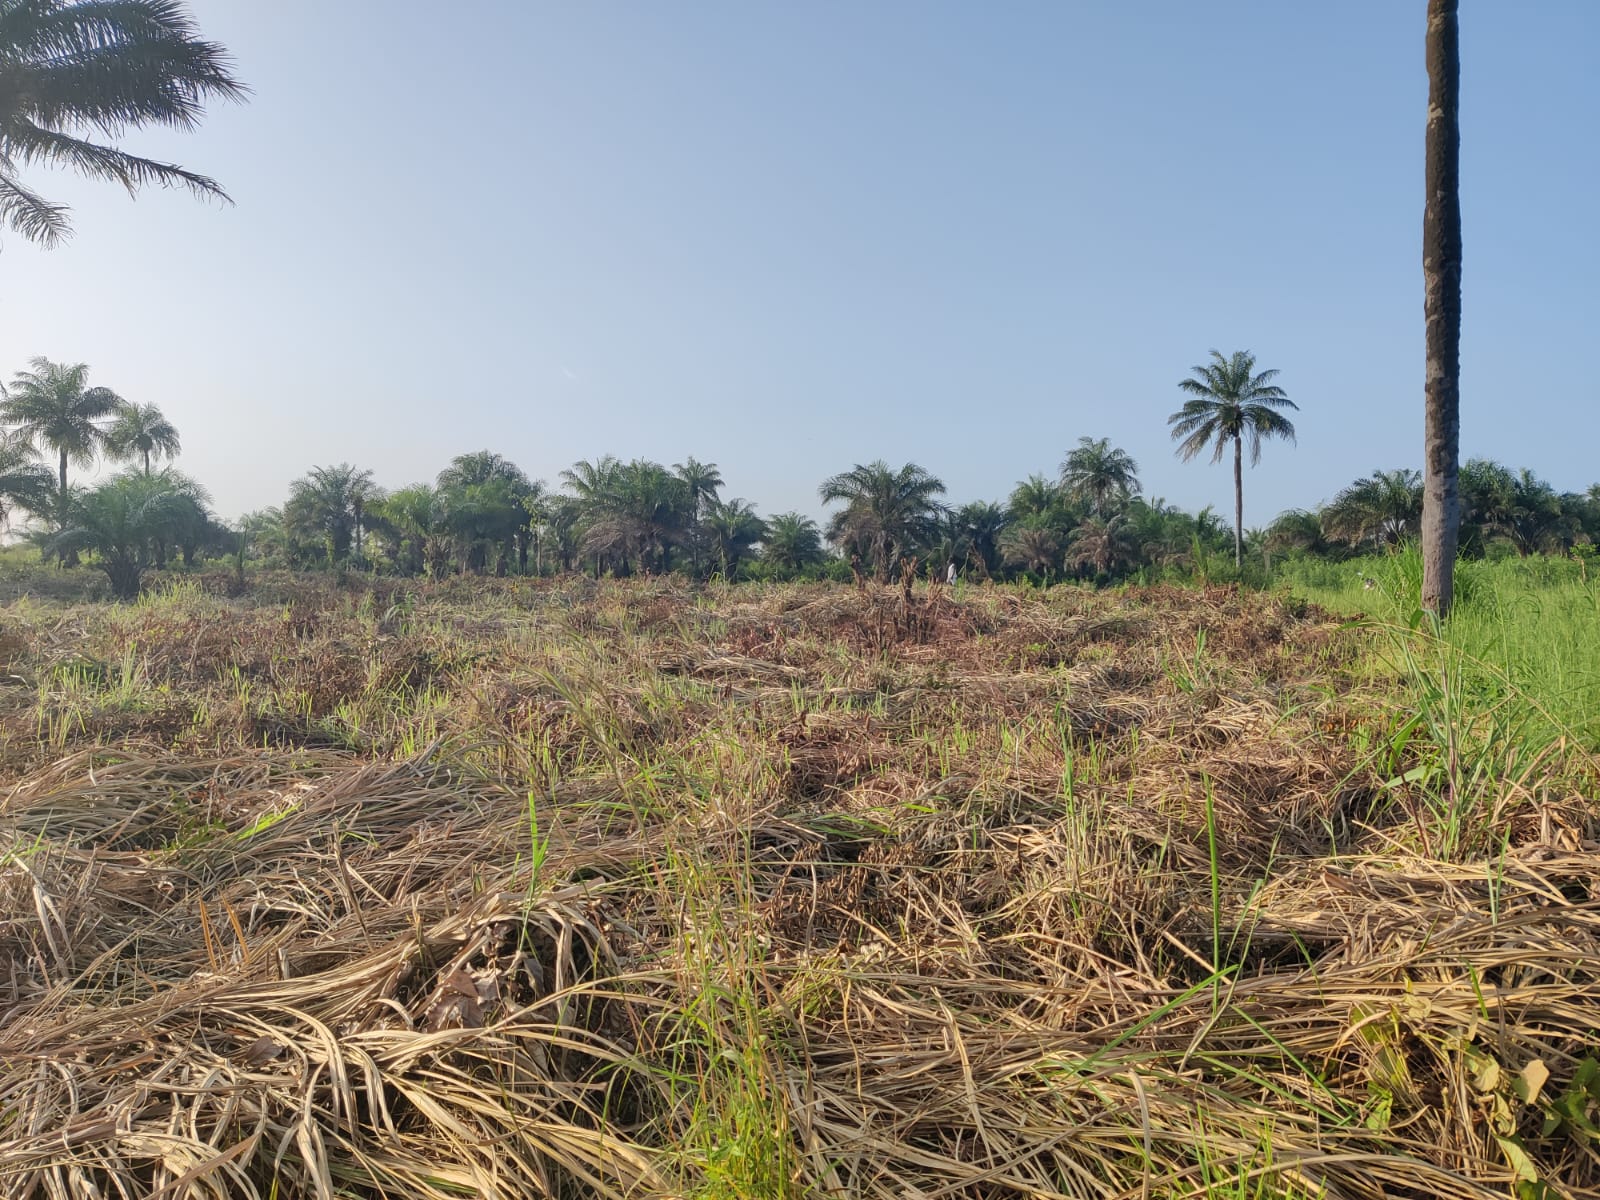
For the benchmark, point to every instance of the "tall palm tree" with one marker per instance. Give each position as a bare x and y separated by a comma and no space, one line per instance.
25,482
1487,493
887,512
488,502
631,513
413,519
1441,285
479,467
141,431
1537,520
590,481
1037,497
75,75
1095,473
1232,403
704,482
54,407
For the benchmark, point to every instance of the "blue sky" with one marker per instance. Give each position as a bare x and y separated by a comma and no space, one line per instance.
790,237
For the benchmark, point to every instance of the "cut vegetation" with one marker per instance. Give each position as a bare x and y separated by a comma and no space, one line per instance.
512,889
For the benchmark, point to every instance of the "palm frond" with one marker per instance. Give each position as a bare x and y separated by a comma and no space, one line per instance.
31,144
80,73
30,214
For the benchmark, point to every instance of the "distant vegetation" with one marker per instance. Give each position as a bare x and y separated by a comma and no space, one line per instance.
1089,521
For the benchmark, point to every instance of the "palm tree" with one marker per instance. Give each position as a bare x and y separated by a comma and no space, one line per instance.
488,503
733,527
887,512
414,519
191,522
1103,543
704,481
141,431
1034,546
1232,403
123,521
53,407
25,482
981,525
1537,520
1487,494
1382,509
793,542
1441,284
1096,472
1297,529
1039,498
631,513
77,74
326,505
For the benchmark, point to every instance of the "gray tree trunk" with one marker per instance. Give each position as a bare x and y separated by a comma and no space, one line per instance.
1238,503
1441,278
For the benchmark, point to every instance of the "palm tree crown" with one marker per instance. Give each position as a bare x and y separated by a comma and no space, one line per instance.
77,74
1231,403
141,431
703,480
53,407
1383,509
1096,472
792,542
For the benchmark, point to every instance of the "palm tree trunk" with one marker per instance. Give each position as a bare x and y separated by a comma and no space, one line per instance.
1238,503
1441,279
147,464
70,557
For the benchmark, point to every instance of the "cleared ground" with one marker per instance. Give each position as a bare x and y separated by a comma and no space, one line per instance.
579,889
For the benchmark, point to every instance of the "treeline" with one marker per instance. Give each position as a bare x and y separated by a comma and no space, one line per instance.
1089,520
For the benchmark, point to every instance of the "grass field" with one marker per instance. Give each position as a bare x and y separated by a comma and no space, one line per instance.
490,888
1526,631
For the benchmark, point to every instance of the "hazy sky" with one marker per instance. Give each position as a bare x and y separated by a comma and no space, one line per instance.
790,237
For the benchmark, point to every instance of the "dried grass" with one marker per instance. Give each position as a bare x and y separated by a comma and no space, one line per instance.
988,895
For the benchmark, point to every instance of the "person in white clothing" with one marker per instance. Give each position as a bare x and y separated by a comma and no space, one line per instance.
950,572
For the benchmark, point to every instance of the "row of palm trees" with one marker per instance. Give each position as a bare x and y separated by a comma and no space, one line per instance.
484,514
50,409
1089,520
1498,504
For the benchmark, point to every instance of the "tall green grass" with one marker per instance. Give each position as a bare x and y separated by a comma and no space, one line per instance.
1526,631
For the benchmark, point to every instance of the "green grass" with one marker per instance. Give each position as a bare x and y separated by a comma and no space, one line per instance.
1527,630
